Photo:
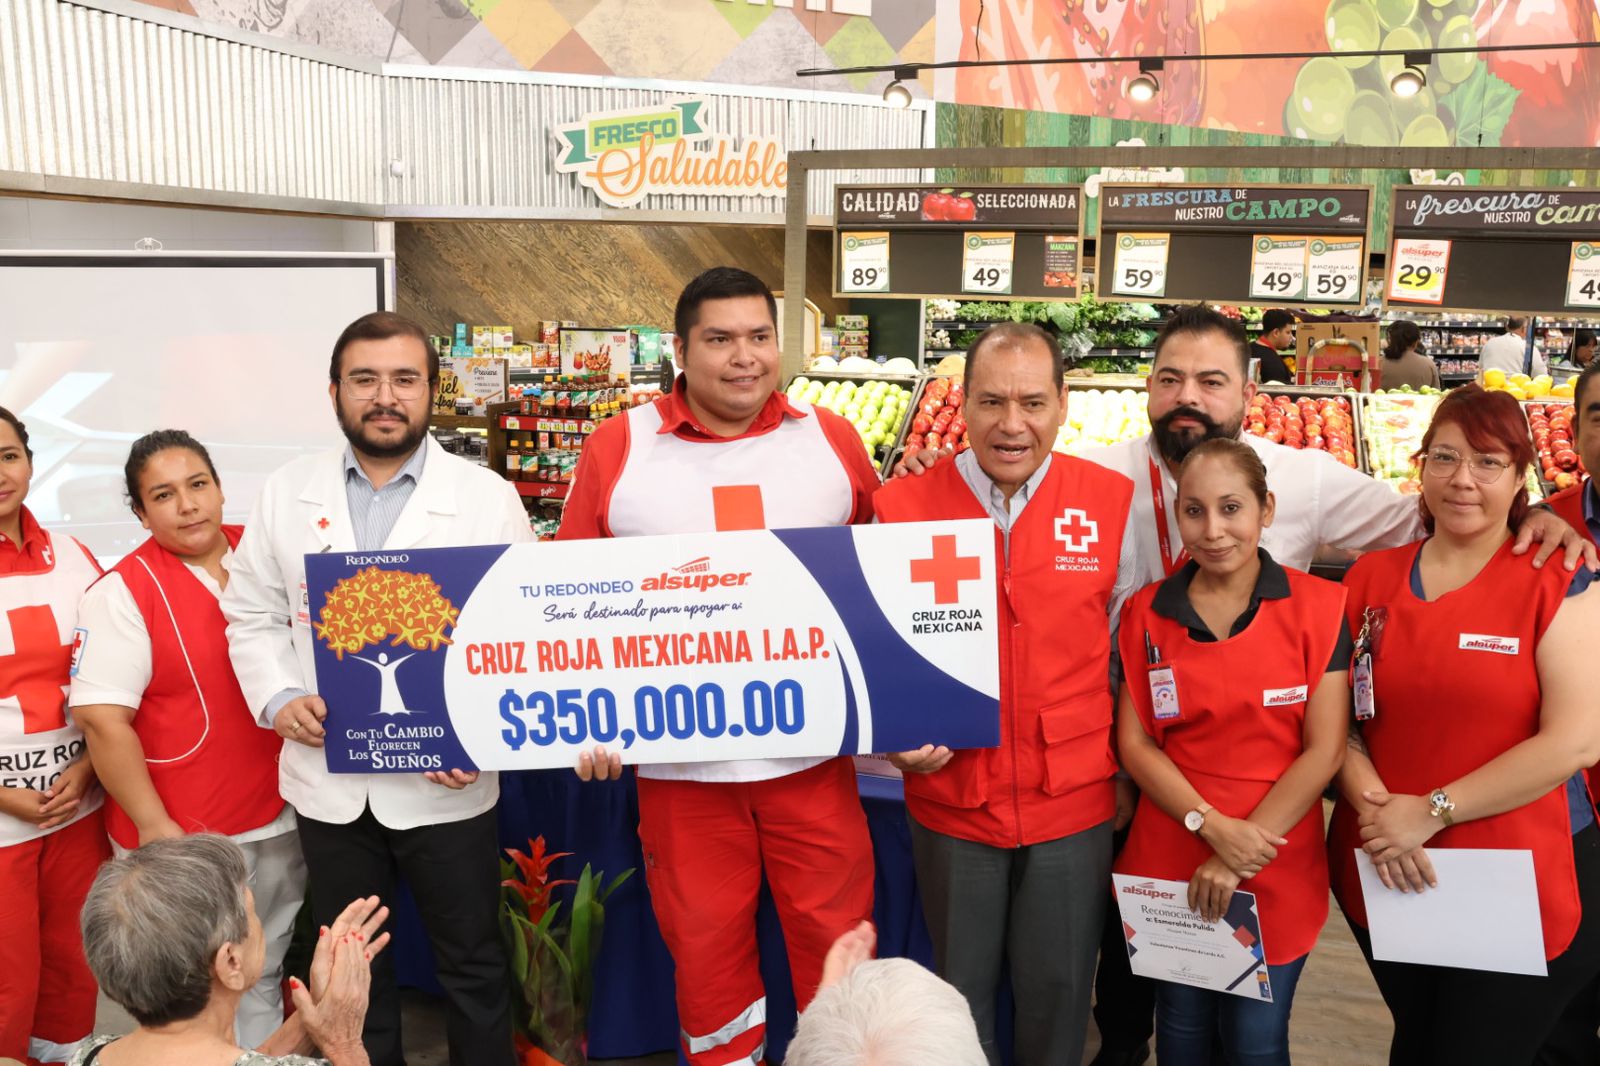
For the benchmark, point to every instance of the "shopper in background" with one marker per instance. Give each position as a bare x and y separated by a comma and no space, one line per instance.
1404,365
1231,778
726,449
1508,352
391,487
1013,844
1484,748
171,736
171,932
1277,334
1580,505
52,835
1584,344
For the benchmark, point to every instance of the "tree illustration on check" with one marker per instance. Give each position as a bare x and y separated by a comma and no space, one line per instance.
373,604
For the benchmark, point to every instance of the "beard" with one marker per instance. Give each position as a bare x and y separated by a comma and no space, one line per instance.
1175,445
355,431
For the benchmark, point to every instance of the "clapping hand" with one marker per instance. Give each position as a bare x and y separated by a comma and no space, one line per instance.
335,1019
361,920
852,948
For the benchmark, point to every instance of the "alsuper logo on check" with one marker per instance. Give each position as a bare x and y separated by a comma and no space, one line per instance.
694,575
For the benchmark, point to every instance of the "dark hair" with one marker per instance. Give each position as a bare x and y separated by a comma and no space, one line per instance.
380,326
1275,318
1243,458
1197,320
1580,385
22,431
145,448
1492,422
718,283
1015,335
1403,335
1514,323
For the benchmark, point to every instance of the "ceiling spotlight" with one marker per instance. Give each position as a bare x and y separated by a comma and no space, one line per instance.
1143,89
896,93
1409,82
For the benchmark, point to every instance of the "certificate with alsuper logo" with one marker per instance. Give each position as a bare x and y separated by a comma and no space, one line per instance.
739,645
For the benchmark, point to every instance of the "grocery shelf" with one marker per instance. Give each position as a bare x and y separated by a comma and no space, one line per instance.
543,490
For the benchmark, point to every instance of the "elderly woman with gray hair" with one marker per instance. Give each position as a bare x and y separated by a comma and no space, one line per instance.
171,933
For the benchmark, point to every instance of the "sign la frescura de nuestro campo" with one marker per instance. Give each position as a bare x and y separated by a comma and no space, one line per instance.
624,156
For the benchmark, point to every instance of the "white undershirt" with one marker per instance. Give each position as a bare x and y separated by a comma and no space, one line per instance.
115,665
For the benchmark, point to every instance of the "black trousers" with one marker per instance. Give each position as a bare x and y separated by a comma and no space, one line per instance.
1451,1017
1124,1005
453,871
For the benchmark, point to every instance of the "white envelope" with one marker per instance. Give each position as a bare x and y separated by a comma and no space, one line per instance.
1483,916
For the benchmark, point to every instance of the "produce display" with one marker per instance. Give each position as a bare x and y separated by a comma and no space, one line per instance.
1098,417
1551,424
1522,387
1320,423
876,408
1392,425
937,422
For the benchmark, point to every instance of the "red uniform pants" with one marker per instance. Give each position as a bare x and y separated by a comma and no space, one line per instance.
705,845
47,994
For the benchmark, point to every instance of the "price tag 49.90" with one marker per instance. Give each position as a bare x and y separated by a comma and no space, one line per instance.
864,262
1583,275
1140,267
1417,270
986,261
1278,268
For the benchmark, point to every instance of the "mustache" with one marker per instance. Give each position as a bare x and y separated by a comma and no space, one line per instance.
1209,424
384,412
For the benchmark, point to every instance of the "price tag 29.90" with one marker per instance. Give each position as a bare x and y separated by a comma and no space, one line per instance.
1583,275
1417,270
1336,265
1140,267
986,261
1278,268
864,262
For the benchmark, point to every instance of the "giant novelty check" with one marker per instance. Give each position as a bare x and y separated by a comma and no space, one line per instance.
740,645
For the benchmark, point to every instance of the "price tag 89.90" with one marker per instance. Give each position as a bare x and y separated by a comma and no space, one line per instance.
864,262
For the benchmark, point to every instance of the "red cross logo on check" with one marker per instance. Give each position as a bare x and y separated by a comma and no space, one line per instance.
946,570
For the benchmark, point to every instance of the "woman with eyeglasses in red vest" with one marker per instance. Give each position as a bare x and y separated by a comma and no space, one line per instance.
169,730
1481,721
52,837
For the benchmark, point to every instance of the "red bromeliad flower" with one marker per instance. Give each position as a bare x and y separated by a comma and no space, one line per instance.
534,885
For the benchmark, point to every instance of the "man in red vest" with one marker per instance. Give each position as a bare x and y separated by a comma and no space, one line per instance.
1013,844
1580,504
726,449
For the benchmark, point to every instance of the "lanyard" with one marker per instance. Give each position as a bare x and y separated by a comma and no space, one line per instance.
1158,496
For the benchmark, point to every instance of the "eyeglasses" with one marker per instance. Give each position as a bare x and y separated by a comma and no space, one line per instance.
1485,469
403,386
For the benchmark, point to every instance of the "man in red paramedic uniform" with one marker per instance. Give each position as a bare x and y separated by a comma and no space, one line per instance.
724,450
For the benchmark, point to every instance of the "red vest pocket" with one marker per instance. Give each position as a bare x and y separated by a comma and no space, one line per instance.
963,782
1077,739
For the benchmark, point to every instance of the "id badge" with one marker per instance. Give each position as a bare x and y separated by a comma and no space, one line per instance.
1366,705
1164,692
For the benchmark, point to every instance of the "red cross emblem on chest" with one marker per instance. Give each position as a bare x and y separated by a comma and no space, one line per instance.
32,674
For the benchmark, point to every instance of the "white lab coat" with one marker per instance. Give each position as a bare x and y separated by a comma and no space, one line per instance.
303,510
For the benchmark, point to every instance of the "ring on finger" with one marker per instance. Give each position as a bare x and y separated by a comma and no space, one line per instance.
294,727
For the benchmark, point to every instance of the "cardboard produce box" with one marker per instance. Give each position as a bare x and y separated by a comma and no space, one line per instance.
1351,358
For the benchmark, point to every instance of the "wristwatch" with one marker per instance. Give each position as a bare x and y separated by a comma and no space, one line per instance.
1440,806
1195,820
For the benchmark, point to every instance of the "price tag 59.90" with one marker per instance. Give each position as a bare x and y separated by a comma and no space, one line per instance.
1140,267
986,262
1335,268
864,262
1417,270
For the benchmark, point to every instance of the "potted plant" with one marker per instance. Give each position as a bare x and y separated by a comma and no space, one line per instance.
553,950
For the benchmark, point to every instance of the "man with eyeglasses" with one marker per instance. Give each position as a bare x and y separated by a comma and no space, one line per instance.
391,487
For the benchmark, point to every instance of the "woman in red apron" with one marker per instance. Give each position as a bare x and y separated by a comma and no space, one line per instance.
169,731
52,838
1482,718
1232,722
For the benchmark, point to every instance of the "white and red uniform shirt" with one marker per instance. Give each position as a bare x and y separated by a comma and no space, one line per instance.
155,641
658,470
41,582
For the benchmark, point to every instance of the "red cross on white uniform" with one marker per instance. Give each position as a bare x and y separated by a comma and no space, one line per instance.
1076,531
32,673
